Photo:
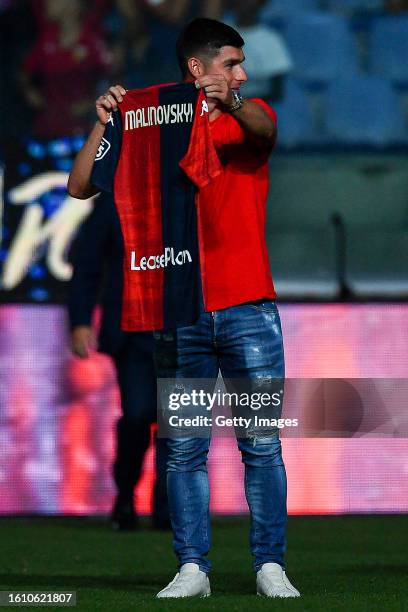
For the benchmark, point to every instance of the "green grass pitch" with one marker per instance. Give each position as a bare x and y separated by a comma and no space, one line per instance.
337,562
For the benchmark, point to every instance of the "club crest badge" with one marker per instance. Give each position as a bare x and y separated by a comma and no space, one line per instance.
102,149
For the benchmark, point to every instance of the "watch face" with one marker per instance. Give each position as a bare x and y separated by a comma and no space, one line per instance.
237,96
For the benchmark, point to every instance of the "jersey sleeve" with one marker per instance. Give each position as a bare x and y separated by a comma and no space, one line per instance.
201,163
107,156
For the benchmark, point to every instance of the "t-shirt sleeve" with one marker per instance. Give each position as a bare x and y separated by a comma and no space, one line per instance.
267,108
107,156
228,131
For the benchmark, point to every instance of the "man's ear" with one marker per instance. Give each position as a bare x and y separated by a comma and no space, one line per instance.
195,67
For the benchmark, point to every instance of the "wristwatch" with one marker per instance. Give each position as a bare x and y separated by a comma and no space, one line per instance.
238,101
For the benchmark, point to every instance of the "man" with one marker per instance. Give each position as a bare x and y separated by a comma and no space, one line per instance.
239,328
98,262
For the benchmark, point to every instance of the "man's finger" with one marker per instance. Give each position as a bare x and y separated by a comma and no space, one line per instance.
208,77
213,89
209,80
214,94
118,89
115,93
109,99
101,101
104,104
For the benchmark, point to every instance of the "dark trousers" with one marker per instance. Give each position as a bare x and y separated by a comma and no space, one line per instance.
137,383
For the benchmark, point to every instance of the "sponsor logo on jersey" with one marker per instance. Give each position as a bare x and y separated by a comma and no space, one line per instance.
158,115
204,107
152,262
102,149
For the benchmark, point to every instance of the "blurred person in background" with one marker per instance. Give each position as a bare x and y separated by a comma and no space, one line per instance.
128,39
98,261
62,69
164,18
267,58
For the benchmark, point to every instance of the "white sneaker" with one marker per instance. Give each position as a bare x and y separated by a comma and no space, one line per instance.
271,581
189,582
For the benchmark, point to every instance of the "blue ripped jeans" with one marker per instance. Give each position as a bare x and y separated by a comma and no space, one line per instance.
244,342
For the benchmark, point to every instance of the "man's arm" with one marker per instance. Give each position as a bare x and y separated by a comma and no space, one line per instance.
90,251
255,121
257,124
79,182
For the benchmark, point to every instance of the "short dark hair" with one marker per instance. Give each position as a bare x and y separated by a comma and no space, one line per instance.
204,38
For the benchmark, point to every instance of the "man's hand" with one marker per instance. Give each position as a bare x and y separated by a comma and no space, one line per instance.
108,102
79,182
216,87
83,340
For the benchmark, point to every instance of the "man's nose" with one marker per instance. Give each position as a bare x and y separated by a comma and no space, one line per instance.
242,75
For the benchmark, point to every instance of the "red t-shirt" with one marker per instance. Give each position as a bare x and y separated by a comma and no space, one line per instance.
231,218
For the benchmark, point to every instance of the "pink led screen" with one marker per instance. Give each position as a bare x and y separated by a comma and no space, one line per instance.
57,415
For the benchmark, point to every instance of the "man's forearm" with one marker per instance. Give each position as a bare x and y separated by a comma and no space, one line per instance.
79,182
256,123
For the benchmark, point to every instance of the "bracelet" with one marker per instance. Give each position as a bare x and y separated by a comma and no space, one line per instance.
236,107
238,102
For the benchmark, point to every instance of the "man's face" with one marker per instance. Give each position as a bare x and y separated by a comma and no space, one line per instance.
228,62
